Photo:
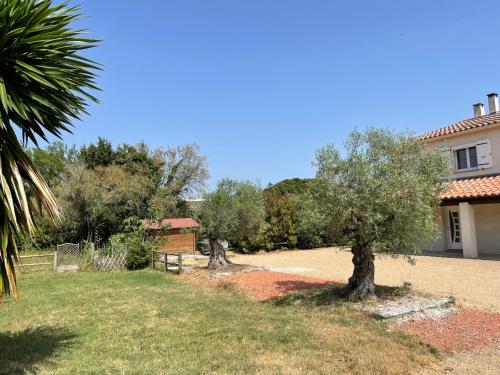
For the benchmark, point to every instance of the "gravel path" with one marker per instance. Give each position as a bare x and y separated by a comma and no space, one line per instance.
471,281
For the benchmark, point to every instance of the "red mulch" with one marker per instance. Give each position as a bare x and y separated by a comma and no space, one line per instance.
460,331
463,330
267,285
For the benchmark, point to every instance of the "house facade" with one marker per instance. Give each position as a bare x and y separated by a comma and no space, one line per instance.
469,215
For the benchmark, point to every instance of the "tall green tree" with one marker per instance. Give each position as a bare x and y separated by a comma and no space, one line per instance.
295,215
100,154
54,161
44,84
383,193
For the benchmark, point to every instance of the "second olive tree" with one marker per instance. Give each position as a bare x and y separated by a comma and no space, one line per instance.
233,212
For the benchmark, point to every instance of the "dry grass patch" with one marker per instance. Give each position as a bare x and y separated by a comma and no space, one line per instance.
148,322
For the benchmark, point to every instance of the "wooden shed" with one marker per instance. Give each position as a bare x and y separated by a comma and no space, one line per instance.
179,234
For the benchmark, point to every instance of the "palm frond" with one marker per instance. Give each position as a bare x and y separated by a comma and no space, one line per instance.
44,84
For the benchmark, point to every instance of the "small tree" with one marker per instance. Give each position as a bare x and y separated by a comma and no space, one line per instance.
233,212
383,192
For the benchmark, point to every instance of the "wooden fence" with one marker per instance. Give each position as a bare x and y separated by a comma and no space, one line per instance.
109,262
164,260
53,263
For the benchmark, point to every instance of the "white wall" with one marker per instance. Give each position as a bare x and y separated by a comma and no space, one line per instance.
488,228
487,218
472,136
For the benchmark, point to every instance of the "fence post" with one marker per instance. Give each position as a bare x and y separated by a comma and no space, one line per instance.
55,260
165,260
152,259
179,263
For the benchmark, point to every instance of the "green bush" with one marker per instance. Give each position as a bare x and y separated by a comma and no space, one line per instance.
136,242
282,213
294,216
138,257
310,223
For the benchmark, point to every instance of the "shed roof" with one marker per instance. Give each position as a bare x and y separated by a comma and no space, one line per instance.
178,223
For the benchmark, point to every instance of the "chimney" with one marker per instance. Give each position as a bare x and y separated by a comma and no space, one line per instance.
478,109
493,102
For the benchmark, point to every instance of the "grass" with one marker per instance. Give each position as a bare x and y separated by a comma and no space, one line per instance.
148,322
39,259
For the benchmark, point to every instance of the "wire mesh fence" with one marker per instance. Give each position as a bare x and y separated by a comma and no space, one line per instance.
86,257
67,257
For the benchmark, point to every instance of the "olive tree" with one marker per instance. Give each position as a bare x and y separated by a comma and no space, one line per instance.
233,212
383,192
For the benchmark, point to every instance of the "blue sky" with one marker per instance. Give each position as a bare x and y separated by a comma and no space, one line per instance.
260,85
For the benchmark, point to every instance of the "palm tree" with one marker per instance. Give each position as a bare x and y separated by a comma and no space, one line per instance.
44,84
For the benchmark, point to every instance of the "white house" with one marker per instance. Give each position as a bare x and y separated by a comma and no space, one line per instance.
469,216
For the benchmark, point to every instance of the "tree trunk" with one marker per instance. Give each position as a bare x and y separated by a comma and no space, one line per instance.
218,257
361,284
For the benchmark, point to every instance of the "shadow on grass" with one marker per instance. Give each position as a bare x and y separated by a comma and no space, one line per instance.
287,286
21,352
333,294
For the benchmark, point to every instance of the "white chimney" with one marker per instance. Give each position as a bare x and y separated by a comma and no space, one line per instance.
493,102
478,109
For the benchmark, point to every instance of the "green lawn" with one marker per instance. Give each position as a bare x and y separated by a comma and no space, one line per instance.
147,322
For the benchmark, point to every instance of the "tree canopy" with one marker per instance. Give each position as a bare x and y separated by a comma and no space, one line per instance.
99,186
382,193
233,212
296,186
294,214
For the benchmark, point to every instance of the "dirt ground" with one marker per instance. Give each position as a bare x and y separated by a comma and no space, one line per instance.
472,282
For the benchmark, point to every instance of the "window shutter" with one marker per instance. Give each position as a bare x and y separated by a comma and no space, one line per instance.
484,156
447,153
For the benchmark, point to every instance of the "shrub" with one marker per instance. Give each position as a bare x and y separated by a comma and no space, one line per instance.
138,257
136,242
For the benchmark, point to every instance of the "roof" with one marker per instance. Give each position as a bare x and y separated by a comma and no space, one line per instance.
464,125
479,187
179,223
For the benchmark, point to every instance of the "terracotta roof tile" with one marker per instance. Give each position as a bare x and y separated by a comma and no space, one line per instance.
460,126
186,222
480,187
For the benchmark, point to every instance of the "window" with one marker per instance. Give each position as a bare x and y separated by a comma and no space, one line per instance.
466,158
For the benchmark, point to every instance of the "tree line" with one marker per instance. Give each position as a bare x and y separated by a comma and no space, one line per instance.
102,189
99,187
